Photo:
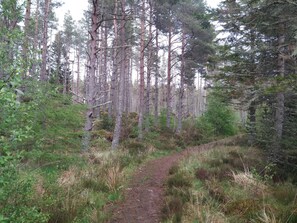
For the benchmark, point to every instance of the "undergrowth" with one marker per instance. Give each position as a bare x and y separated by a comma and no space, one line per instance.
228,184
45,176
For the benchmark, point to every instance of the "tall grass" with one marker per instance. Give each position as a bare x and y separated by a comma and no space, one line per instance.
230,184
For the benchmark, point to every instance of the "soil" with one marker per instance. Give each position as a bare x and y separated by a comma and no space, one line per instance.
144,198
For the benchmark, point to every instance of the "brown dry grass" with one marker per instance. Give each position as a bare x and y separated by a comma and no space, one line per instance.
113,176
68,178
249,182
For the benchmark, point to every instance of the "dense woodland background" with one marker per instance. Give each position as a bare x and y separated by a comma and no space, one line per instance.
133,78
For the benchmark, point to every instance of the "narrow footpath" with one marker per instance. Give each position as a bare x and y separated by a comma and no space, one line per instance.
144,198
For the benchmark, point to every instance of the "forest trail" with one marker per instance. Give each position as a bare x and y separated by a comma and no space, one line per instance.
144,198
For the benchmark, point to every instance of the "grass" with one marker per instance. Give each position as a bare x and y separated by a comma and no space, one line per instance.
228,184
53,181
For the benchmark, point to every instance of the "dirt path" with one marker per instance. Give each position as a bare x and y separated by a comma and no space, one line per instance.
144,198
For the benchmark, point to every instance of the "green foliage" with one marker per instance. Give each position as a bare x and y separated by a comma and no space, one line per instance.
38,128
10,38
163,120
265,130
17,197
219,119
103,122
193,133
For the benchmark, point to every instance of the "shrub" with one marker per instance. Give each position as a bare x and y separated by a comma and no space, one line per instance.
179,180
135,147
174,169
218,118
173,209
163,120
202,174
107,122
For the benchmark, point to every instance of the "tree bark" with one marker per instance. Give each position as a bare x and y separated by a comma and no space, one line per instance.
156,101
128,83
280,98
43,74
181,89
118,125
114,77
78,74
91,79
253,106
104,71
252,120
149,67
141,87
169,99
26,38
35,42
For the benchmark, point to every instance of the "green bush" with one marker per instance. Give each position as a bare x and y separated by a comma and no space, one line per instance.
219,119
163,120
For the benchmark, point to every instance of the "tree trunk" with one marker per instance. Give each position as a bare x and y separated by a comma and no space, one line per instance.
78,74
280,99
91,79
169,99
26,39
35,42
141,87
114,77
66,74
43,74
118,125
104,71
181,89
128,83
252,107
252,123
156,101
149,68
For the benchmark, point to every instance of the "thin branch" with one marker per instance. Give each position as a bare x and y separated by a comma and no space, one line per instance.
97,106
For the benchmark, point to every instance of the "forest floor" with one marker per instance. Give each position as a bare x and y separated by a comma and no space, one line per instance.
144,197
